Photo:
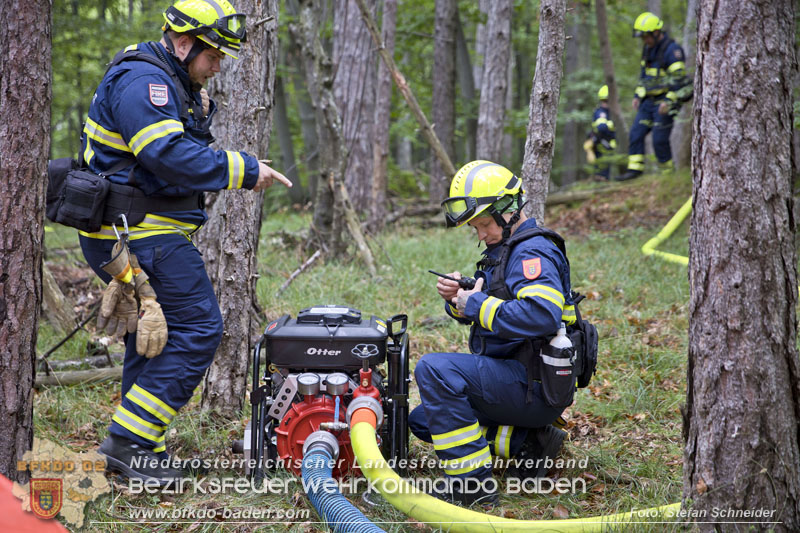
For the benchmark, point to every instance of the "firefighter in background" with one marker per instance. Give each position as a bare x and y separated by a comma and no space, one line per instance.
475,405
153,118
657,99
602,141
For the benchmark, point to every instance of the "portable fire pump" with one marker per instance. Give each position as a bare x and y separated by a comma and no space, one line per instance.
317,370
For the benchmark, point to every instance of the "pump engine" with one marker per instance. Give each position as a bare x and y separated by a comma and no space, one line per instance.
317,369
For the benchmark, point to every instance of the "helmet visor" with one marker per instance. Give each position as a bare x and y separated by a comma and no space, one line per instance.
459,209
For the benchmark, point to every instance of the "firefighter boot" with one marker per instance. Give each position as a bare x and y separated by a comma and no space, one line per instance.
538,451
628,175
467,491
135,462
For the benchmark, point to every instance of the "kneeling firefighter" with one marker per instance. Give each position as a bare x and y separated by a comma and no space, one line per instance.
148,132
492,401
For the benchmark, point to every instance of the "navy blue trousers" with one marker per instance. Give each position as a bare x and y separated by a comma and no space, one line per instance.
461,392
153,390
648,118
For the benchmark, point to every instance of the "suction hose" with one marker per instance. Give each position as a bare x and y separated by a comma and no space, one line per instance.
335,510
453,519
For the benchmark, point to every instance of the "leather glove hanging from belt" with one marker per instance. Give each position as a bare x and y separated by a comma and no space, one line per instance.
151,332
118,313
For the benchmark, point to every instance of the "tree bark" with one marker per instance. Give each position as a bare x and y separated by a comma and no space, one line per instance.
480,43
681,138
444,88
56,307
608,73
654,6
296,194
571,138
229,242
466,84
24,147
494,81
743,386
541,135
383,109
354,90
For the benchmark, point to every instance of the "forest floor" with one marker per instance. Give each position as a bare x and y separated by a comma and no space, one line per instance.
624,429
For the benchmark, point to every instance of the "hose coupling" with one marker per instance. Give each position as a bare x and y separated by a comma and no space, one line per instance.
322,439
370,403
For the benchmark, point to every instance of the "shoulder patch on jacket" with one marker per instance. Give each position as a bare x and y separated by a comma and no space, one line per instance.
159,95
532,268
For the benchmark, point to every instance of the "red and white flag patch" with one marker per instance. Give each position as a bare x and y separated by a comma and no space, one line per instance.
159,95
531,268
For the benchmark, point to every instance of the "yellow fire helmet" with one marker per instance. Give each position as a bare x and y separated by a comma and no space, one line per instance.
602,94
480,186
646,23
215,22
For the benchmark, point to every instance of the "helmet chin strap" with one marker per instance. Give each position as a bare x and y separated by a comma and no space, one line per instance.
507,226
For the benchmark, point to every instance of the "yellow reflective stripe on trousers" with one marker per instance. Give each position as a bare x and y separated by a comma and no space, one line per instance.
151,225
139,426
542,291
151,404
95,131
488,310
568,316
235,170
152,132
636,161
469,463
457,437
502,442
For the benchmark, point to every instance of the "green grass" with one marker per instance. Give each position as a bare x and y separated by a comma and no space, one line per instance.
627,422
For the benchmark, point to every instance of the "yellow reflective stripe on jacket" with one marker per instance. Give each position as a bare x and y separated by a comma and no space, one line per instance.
151,225
488,309
139,426
542,291
641,92
455,311
152,132
468,463
655,72
88,154
568,316
235,170
502,442
456,437
602,120
151,404
95,131
676,66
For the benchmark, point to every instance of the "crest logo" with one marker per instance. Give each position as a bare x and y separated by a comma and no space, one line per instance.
46,497
159,95
531,268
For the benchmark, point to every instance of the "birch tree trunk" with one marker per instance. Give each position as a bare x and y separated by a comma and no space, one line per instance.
229,241
24,147
444,88
354,90
743,397
541,136
608,73
494,81
383,109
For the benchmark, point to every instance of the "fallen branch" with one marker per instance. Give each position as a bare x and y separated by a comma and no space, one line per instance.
308,262
77,377
96,361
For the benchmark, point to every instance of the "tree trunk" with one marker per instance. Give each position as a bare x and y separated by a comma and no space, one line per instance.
608,73
444,88
296,194
571,151
354,90
333,212
383,108
541,136
681,138
56,307
24,147
480,43
654,6
229,242
466,83
494,81
743,397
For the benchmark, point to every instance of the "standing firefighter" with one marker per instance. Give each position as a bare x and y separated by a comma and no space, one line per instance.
491,401
662,87
148,126
602,140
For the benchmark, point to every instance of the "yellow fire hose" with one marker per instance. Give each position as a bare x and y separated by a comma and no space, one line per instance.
666,232
454,519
